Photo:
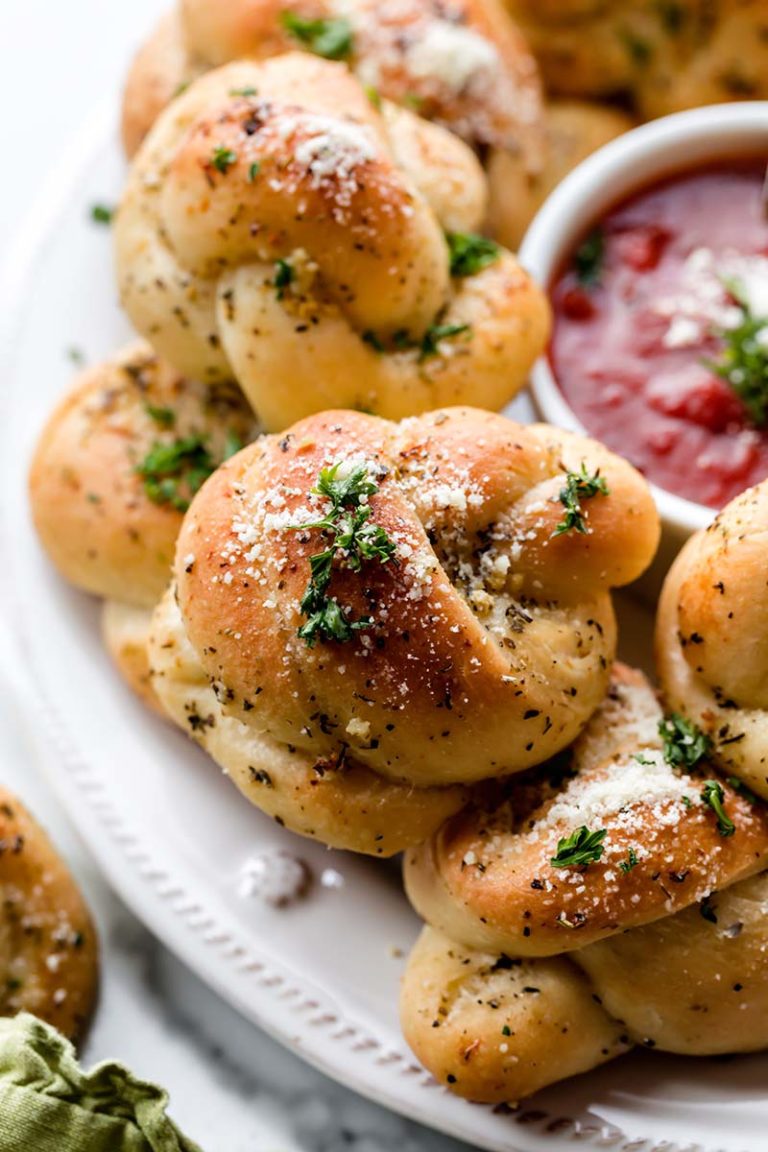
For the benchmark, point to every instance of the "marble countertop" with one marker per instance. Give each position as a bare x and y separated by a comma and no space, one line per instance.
232,1088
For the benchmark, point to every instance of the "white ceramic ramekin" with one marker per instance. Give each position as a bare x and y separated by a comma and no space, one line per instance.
634,160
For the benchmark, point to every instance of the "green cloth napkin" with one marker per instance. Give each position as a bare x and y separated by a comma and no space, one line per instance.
48,1104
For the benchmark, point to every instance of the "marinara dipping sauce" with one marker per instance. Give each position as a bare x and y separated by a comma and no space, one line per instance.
660,343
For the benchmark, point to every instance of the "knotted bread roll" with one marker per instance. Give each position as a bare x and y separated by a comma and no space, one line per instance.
278,229
695,983
666,57
712,636
641,830
433,628
48,945
114,469
496,1029
466,68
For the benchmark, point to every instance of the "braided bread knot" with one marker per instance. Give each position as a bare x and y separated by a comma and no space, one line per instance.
279,229
712,636
440,629
652,842
614,900
664,58
468,69
115,466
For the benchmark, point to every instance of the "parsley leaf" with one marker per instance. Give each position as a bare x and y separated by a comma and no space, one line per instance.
101,214
253,171
165,417
470,252
329,38
588,259
630,862
579,486
402,341
284,275
713,795
582,847
684,742
249,90
222,159
354,538
172,473
743,362
434,334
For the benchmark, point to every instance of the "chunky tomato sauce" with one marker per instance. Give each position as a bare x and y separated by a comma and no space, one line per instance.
644,309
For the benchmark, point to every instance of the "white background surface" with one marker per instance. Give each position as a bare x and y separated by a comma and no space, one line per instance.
59,60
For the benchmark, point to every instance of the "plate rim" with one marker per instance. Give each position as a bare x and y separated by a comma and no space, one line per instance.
151,891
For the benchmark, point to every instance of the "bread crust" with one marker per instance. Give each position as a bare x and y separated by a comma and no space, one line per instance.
349,205
712,636
496,1029
472,74
491,639
488,878
89,504
664,59
48,943
125,631
691,984
332,799
159,72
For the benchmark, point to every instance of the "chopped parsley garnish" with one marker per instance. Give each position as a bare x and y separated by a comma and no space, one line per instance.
402,341
639,50
232,444
174,472
713,795
684,742
222,159
630,862
470,252
353,538
743,362
374,96
101,214
579,486
506,1030
253,171
165,417
581,848
247,91
371,338
588,259
672,15
434,334
329,38
284,275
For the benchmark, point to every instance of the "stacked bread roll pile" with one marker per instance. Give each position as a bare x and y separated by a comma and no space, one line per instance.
385,613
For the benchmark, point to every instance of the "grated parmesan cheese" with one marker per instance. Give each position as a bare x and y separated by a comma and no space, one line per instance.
451,54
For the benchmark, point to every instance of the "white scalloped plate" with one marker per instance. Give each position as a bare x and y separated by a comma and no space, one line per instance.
172,835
